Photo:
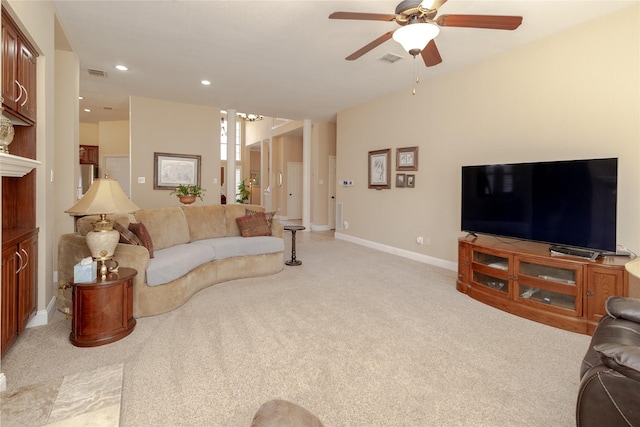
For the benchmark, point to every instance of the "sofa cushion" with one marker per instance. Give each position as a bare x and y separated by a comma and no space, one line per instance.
172,263
228,247
625,308
253,225
167,226
622,358
235,211
139,229
205,222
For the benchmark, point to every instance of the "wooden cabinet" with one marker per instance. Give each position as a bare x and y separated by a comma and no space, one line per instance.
19,283
103,310
89,154
19,232
18,72
523,278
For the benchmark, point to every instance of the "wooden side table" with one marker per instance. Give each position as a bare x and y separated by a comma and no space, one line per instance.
293,229
103,310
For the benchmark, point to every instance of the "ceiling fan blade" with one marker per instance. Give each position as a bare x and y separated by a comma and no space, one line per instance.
431,55
495,22
377,42
363,16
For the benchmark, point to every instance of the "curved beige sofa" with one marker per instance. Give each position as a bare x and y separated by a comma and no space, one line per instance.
189,226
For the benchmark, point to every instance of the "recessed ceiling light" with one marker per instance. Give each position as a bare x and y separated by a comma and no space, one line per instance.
81,97
87,110
205,82
121,68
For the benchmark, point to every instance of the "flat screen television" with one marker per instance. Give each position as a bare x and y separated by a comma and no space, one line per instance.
567,203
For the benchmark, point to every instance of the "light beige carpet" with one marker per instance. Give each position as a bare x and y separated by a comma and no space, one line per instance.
357,336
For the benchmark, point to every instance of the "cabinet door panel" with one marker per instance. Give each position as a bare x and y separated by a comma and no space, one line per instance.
601,284
27,282
9,295
27,77
9,65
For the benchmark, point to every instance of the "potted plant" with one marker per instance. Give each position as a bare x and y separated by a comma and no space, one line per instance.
243,193
188,193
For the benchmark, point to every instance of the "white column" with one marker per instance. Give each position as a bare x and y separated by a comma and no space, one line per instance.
306,174
230,170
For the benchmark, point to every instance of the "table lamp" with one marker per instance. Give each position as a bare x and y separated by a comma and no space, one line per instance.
105,196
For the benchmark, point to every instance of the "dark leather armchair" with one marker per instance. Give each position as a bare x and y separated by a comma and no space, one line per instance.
609,393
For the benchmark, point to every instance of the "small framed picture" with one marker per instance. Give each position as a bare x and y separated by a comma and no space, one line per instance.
411,181
400,180
379,169
407,159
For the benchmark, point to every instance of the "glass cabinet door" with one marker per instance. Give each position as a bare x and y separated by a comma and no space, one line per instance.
491,270
548,284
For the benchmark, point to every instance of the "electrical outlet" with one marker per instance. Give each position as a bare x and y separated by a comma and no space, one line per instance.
141,180
420,240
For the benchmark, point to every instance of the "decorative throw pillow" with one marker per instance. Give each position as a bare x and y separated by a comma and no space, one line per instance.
126,235
622,358
140,230
253,225
268,215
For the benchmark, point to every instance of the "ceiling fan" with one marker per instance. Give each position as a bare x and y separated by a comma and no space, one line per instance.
419,27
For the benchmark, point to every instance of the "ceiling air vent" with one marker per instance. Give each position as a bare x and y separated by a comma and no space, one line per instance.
107,108
391,58
97,73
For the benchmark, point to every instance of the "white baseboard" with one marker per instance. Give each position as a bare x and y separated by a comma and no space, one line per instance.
400,252
320,227
42,317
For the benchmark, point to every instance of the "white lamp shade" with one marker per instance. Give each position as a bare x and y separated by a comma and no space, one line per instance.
414,37
105,196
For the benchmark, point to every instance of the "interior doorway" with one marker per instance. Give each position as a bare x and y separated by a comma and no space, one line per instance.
294,190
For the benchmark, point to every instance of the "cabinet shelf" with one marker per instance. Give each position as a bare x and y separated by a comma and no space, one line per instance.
523,278
16,166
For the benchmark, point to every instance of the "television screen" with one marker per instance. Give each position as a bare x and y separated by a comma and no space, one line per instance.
570,203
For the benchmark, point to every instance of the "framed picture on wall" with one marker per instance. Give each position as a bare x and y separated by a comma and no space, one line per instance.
171,170
411,181
400,180
379,169
407,159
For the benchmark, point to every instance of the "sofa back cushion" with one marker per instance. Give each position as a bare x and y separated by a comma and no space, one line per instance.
236,211
205,222
166,226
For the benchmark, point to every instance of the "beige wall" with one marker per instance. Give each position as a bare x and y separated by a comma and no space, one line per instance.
576,95
113,138
89,134
172,127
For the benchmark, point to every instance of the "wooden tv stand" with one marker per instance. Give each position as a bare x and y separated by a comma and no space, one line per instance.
524,279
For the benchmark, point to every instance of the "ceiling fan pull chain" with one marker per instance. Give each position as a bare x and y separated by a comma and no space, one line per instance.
415,73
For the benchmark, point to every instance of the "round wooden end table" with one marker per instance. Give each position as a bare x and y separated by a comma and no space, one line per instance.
103,309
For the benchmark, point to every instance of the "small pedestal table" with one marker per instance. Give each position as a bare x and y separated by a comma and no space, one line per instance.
293,229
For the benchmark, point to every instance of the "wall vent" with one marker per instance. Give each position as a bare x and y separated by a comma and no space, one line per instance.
97,73
107,108
339,219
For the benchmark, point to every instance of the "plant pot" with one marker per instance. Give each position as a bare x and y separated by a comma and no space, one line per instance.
187,200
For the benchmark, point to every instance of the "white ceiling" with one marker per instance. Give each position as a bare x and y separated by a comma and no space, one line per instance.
277,58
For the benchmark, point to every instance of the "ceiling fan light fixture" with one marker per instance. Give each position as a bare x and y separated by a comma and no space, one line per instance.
414,37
